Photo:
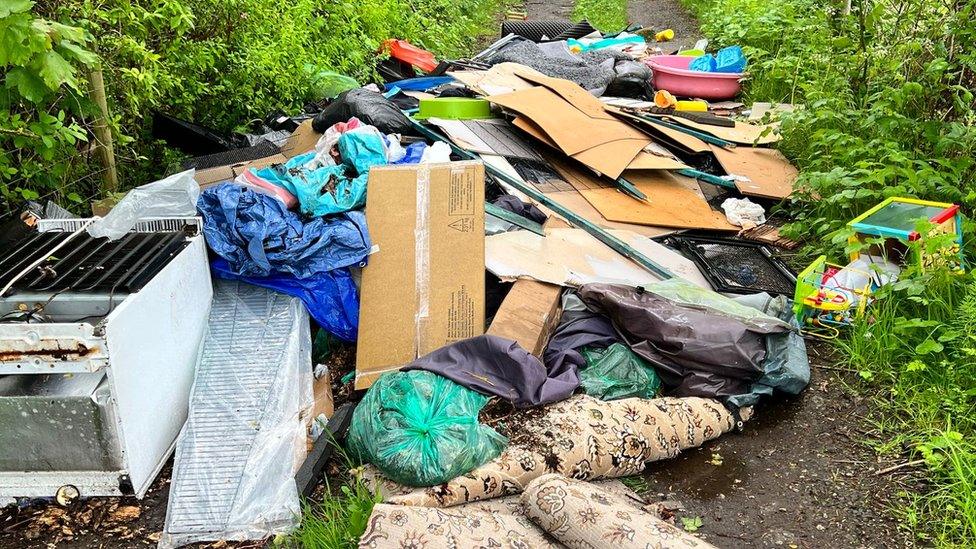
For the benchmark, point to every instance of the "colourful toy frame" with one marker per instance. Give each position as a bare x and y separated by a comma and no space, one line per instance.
949,219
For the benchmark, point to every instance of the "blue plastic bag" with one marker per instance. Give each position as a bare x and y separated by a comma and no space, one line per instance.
259,237
330,297
415,151
330,189
730,60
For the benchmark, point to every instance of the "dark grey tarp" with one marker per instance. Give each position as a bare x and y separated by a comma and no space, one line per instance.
698,349
494,365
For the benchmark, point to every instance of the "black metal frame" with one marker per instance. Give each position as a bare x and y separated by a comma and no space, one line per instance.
686,244
90,264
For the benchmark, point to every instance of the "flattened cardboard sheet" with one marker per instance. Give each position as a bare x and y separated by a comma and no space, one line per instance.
667,136
570,127
610,159
572,257
672,201
742,133
770,174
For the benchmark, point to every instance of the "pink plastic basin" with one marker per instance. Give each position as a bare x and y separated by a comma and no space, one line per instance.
671,73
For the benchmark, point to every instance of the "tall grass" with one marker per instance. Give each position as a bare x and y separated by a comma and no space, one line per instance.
338,521
606,15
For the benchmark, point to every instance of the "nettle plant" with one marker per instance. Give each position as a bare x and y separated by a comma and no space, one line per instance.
42,102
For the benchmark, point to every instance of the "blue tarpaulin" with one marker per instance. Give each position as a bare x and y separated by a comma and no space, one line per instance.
259,237
330,297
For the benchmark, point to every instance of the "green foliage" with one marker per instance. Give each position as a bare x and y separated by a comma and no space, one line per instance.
606,15
41,99
887,110
222,63
338,521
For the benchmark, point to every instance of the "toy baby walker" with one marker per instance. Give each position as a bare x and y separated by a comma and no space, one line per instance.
829,297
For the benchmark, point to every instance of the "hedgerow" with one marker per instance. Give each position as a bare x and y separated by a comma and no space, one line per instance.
222,63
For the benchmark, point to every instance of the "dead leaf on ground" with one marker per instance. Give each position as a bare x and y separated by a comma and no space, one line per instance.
125,513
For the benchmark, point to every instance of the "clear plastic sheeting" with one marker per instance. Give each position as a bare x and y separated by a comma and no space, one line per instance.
683,293
174,196
244,439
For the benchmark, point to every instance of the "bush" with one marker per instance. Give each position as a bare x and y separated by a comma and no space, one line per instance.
222,63
888,110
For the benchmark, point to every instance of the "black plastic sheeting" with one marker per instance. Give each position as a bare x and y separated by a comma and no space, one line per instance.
695,350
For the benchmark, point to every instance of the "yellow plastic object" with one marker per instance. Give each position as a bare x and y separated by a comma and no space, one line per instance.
664,36
691,106
664,99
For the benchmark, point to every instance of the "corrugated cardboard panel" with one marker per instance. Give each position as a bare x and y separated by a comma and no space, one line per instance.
425,286
302,140
770,174
528,315
212,176
565,123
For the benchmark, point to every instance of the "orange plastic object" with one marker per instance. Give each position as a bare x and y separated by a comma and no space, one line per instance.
408,53
664,99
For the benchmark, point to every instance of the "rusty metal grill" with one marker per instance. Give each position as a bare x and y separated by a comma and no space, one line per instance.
89,265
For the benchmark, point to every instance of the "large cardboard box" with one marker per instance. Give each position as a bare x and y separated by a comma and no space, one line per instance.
425,286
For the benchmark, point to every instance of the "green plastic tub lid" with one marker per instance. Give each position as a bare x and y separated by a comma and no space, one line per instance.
454,108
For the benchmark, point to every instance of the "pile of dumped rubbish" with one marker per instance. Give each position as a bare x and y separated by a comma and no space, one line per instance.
553,258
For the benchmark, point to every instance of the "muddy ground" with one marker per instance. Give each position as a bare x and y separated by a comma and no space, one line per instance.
800,475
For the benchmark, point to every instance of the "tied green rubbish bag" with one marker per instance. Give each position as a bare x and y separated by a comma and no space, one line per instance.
421,429
616,372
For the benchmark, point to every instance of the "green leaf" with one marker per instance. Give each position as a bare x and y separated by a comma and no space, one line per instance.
8,7
28,85
78,53
691,524
928,346
55,71
75,197
15,49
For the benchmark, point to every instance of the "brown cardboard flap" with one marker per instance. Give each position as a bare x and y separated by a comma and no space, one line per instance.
672,201
219,174
425,286
528,315
566,125
743,133
667,136
610,158
302,140
771,175
581,207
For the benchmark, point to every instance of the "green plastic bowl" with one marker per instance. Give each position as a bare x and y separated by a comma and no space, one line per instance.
454,108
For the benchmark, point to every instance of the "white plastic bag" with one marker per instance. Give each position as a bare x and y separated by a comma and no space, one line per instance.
174,196
744,213
437,153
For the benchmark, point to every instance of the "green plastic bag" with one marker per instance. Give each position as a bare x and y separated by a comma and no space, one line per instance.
617,372
421,429
327,84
